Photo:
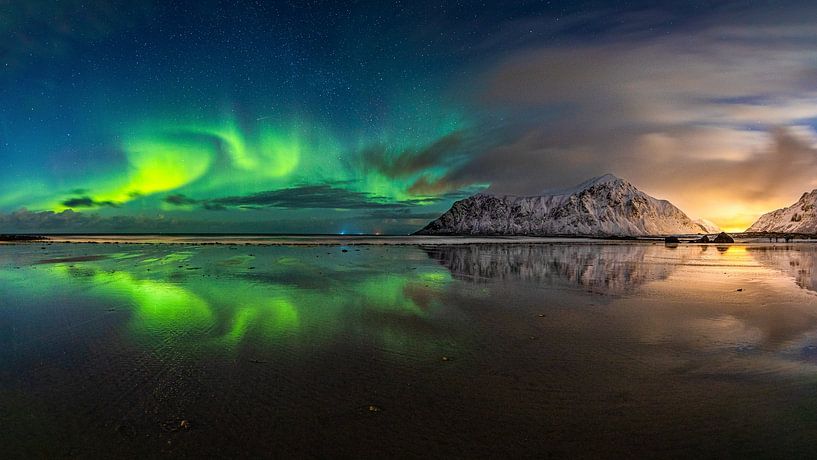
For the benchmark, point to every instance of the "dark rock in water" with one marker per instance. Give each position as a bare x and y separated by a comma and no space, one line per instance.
723,237
671,240
703,239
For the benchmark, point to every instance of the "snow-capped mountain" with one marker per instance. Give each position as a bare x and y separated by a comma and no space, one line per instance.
801,217
602,206
707,225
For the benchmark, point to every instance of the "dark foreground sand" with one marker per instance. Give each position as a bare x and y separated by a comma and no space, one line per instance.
465,350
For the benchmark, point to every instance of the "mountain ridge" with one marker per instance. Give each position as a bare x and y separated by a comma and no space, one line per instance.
605,205
800,217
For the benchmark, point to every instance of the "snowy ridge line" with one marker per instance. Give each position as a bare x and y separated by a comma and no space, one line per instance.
603,206
801,217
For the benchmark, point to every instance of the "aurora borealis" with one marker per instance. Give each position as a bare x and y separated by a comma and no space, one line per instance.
373,117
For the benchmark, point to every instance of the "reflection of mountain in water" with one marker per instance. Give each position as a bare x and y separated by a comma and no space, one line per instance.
797,261
600,268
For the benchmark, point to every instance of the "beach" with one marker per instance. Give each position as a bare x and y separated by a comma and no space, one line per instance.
414,348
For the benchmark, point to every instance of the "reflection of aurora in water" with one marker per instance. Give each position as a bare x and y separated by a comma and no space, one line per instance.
217,297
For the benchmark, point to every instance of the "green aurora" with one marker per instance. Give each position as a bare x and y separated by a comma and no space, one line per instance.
143,127
195,162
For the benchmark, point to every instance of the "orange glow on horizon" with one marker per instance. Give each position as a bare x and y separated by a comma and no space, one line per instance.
734,217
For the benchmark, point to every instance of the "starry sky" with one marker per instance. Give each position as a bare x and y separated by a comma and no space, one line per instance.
373,117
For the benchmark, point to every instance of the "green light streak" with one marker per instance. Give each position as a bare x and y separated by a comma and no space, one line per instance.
211,159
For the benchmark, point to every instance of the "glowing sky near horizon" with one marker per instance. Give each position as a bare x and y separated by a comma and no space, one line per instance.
374,117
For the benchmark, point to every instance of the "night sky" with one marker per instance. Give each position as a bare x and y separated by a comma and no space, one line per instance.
318,117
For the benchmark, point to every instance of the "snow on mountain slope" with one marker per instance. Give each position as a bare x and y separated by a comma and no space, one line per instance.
707,225
801,217
602,206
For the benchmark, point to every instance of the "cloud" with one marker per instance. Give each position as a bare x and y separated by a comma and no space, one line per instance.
321,196
412,161
87,202
386,221
180,200
79,222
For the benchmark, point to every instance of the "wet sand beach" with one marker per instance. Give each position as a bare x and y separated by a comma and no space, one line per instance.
336,349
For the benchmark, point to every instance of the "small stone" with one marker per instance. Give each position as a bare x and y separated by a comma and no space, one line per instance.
740,290
446,358
373,408
184,424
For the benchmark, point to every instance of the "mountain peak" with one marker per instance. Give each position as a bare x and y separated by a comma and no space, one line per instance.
609,177
603,179
598,180
603,205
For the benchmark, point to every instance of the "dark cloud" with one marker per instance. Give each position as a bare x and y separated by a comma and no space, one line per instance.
321,196
445,188
70,221
24,221
179,200
210,206
87,202
412,161
308,196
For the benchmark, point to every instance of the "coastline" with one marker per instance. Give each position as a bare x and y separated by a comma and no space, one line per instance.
375,240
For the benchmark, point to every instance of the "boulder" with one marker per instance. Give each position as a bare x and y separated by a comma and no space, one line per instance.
723,237
671,240
703,239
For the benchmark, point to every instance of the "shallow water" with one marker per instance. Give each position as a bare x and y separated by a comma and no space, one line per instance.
579,349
